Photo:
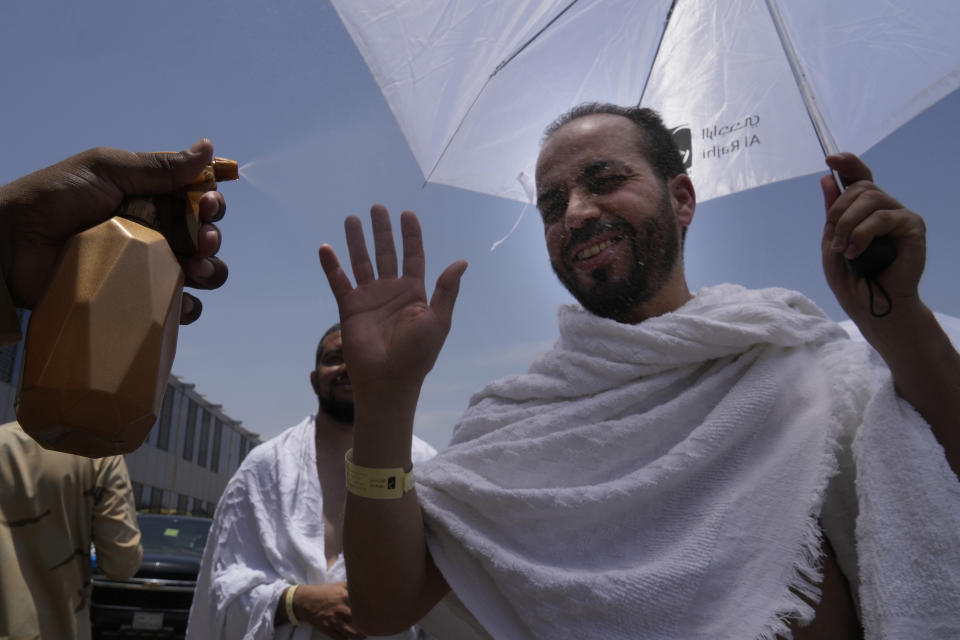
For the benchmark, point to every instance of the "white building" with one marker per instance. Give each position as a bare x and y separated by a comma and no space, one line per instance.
189,455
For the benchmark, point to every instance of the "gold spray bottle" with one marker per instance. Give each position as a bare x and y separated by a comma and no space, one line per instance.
102,338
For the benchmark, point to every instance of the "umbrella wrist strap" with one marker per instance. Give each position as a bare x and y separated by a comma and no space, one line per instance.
886,296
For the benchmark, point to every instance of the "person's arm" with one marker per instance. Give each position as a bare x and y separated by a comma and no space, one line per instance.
392,336
325,607
41,211
115,532
924,364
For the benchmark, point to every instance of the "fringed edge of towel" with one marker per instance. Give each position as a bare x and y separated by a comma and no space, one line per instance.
803,590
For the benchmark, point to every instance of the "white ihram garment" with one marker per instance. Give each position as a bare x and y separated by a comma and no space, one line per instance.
268,534
664,480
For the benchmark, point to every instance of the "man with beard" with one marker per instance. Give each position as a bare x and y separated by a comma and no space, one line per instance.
727,464
273,564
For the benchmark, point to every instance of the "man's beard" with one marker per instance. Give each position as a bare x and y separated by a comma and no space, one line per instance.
337,410
654,254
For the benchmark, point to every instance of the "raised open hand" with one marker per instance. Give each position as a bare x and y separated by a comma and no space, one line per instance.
391,334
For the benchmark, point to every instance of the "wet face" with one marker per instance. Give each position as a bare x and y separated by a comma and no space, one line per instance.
331,382
611,226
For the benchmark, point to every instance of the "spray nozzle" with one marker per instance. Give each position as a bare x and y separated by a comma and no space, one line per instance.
225,169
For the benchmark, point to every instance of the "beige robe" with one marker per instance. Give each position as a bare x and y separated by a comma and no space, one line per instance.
52,506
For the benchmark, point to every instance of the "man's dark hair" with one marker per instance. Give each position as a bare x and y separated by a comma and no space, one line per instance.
335,328
657,142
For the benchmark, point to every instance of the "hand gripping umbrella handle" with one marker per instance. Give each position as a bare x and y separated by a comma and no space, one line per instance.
871,262
877,256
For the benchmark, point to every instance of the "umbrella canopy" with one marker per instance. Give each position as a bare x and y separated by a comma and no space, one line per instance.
742,82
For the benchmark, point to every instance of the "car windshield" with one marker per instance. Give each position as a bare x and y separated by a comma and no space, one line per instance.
170,534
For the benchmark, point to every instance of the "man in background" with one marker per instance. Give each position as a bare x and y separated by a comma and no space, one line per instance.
273,565
52,506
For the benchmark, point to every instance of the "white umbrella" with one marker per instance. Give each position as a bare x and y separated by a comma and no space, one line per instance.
474,84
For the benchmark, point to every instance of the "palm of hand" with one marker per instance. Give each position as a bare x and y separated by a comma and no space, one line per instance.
391,333
390,330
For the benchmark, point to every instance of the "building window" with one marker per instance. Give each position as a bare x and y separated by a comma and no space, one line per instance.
204,447
237,455
228,458
215,449
8,361
182,503
156,499
137,494
166,415
154,435
191,431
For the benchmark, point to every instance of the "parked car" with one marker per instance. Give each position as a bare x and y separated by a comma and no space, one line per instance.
156,601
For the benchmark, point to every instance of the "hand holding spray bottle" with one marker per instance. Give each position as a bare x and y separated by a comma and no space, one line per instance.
101,340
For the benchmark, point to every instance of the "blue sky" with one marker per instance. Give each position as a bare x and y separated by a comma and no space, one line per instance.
280,87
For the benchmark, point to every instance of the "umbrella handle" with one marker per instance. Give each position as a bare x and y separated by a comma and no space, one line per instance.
877,256
874,259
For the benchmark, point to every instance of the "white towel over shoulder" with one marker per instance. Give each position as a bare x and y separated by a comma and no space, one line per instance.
268,534
661,480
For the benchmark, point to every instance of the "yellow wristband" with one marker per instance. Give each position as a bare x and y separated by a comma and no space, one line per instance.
288,600
379,484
